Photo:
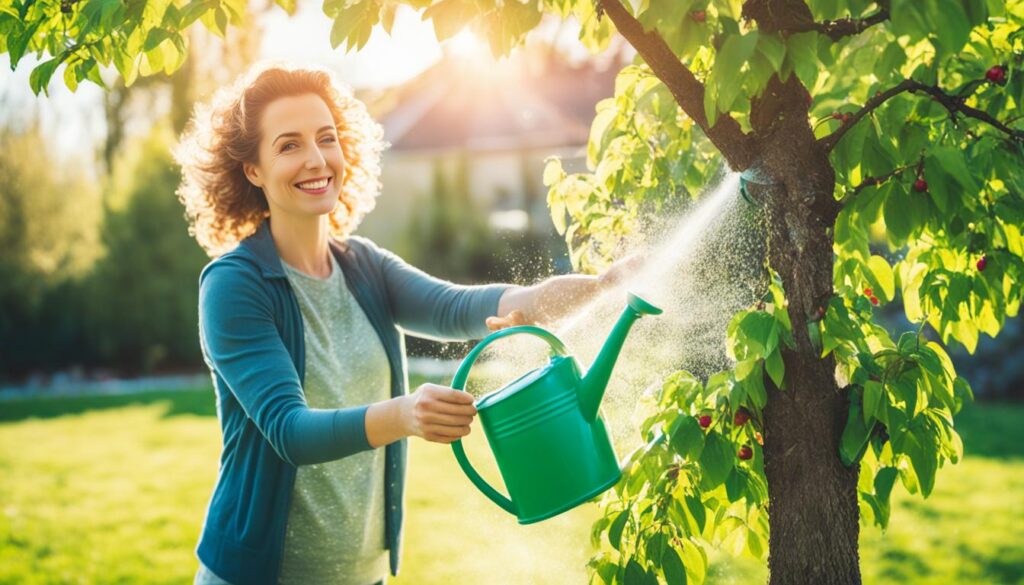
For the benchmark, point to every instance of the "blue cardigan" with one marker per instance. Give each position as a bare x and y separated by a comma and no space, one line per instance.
250,328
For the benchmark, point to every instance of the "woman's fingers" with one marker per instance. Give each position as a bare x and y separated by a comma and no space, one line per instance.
443,414
449,420
513,319
447,434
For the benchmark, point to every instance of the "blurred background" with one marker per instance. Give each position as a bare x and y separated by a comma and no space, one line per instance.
108,432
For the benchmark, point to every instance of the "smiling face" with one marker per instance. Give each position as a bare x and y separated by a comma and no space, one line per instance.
300,159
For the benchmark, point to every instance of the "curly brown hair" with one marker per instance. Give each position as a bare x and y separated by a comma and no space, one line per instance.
221,205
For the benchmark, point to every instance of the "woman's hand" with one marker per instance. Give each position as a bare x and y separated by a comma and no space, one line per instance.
438,413
513,319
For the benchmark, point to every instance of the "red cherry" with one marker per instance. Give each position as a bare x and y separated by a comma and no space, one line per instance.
874,301
704,421
920,185
847,117
745,452
741,418
868,292
996,74
699,15
982,263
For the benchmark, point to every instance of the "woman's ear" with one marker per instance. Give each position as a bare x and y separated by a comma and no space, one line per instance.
253,174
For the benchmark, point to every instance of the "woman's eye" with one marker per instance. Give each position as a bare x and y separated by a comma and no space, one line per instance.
285,147
328,139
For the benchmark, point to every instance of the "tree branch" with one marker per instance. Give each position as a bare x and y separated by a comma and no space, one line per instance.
843,27
954,103
688,91
876,181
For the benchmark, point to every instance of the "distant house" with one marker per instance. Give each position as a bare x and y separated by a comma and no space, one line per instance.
488,130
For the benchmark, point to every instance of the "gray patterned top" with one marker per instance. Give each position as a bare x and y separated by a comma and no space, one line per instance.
336,522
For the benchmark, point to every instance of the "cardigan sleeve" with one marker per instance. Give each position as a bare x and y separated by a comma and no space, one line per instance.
434,308
241,343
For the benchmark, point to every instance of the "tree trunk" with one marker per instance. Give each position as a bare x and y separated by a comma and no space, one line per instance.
812,496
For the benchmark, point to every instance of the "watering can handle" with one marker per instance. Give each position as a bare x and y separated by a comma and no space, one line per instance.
459,383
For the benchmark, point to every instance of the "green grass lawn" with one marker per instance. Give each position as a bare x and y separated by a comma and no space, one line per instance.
113,490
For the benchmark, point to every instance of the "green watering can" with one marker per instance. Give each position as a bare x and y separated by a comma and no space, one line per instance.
545,428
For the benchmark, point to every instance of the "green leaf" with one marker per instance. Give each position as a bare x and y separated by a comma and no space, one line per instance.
711,101
717,459
735,52
775,367
288,5
154,38
39,79
615,531
898,221
449,17
696,509
873,392
754,386
672,567
884,480
756,329
688,438
951,26
954,163
855,434
18,43
735,485
907,18
802,54
353,24
923,456
879,274
634,573
745,367
773,49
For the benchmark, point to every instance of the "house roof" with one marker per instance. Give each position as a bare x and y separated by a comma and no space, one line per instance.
533,99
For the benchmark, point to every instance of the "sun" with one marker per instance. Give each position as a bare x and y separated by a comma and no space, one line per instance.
468,45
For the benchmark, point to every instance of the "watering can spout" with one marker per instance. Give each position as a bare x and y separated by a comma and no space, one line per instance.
593,385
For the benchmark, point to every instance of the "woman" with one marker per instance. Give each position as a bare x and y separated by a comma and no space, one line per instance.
299,324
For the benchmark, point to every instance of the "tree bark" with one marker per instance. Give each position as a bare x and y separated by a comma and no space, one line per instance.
812,496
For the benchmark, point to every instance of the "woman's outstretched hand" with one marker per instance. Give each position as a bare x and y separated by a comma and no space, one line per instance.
438,413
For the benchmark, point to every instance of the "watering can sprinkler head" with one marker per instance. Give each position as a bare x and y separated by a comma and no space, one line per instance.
753,175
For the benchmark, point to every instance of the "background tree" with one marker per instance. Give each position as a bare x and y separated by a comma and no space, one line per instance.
856,122
42,195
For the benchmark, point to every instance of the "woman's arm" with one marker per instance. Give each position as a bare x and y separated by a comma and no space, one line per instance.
558,296
240,341
430,307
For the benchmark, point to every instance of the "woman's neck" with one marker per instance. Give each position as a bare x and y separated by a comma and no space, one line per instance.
301,241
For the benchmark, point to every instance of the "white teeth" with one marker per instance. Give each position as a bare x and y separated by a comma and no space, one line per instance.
314,184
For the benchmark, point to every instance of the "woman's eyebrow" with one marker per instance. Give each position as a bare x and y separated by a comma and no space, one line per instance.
280,136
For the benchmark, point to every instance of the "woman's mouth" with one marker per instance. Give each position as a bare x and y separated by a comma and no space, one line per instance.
315,187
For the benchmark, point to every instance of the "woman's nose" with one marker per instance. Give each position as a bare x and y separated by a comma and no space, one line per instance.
316,160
